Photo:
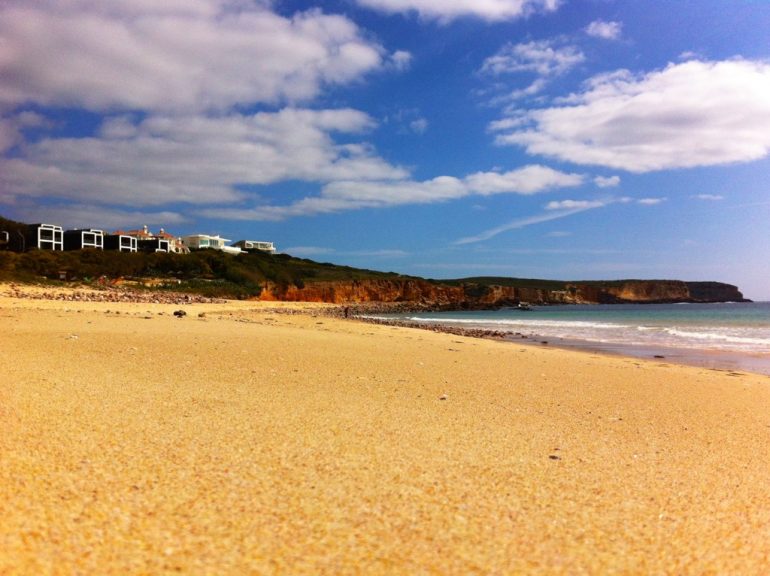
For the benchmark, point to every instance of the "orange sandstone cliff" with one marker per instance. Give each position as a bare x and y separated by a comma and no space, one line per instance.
474,295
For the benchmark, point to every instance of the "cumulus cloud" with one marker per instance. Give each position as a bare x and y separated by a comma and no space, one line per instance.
106,217
164,56
689,114
352,195
527,180
541,57
445,11
604,30
195,159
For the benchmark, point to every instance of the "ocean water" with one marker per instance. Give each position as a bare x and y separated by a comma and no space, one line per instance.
730,335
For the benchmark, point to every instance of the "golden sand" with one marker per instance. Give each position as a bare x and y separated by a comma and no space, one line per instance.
250,442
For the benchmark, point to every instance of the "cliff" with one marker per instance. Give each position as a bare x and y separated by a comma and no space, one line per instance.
421,293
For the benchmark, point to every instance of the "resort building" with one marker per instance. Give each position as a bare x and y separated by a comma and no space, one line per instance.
206,241
5,239
175,245
81,239
148,241
44,237
121,242
255,246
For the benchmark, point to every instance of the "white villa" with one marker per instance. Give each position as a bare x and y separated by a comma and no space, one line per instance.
255,245
202,241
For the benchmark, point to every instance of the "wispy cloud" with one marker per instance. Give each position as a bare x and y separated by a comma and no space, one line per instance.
709,197
672,118
445,11
520,223
314,251
353,195
556,210
575,204
543,57
651,201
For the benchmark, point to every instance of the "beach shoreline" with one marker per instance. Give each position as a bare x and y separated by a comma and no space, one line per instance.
249,437
713,359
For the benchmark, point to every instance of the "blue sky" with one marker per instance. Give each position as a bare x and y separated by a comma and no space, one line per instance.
565,139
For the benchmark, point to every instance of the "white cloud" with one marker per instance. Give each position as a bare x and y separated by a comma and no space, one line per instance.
686,115
536,87
401,59
574,204
352,195
650,201
709,197
607,181
314,251
305,251
605,30
521,223
540,57
195,159
88,216
419,126
447,10
527,180
556,210
164,56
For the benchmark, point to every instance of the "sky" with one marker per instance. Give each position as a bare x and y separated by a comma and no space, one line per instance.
560,139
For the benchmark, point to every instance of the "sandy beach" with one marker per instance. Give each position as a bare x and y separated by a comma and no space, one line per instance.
241,440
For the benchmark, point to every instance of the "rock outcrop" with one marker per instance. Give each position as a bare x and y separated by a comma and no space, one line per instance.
419,293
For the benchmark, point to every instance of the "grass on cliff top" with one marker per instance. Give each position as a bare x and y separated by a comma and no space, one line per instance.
208,272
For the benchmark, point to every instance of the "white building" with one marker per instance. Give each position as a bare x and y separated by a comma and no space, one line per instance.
203,241
255,246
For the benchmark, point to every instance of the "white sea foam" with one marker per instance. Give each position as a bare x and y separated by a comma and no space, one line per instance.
712,334
729,338
531,324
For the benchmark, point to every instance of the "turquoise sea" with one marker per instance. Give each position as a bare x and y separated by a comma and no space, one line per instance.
729,336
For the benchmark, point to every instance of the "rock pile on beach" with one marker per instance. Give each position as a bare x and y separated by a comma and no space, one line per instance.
456,330
126,296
